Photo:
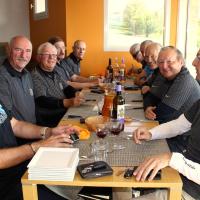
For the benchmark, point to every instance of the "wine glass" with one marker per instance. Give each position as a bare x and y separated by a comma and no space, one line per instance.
116,127
102,130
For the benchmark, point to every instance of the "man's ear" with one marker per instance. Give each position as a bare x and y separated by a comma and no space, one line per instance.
182,61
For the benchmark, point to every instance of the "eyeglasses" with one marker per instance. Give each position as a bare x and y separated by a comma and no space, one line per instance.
48,55
169,62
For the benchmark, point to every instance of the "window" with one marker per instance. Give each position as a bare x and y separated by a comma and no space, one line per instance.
132,21
40,9
188,40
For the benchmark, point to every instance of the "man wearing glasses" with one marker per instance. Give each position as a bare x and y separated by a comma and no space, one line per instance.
75,57
64,69
52,94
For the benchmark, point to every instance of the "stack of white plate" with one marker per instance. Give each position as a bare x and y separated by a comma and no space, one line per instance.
54,164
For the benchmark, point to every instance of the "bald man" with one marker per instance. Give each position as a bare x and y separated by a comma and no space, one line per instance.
151,69
16,91
73,60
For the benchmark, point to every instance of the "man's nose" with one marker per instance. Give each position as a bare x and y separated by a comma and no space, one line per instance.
23,53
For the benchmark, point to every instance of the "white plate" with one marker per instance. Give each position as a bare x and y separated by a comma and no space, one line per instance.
54,158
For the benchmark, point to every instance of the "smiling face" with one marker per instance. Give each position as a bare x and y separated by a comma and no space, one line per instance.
151,55
20,51
196,64
79,49
60,46
169,63
47,57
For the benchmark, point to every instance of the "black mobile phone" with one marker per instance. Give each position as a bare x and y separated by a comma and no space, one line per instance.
128,173
74,137
74,116
156,177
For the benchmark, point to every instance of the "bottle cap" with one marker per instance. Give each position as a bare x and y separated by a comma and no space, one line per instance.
118,88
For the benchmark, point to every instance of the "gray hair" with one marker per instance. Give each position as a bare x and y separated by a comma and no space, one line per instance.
134,48
43,46
13,39
146,42
179,55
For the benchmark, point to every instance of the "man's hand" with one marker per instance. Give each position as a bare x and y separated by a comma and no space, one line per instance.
141,134
154,163
79,98
62,130
145,89
62,140
149,112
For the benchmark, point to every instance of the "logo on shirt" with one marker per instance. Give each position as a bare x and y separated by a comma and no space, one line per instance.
61,86
31,91
167,96
154,86
3,115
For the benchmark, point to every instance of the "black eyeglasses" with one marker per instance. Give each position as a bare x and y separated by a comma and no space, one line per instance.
49,55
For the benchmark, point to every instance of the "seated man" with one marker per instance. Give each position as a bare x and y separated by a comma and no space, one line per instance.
150,71
196,64
187,163
16,91
52,94
143,47
137,56
14,158
151,56
175,94
72,78
75,57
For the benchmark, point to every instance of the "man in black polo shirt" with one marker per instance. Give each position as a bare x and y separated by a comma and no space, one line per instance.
187,163
52,94
173,95
14,158
16,91
73,79
75,57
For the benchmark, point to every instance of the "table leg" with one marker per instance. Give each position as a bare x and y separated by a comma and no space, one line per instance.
30,191
175,193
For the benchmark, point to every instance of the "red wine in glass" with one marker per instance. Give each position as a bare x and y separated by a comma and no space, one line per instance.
101,133
115,130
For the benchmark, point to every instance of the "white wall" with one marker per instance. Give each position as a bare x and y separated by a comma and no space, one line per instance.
14,19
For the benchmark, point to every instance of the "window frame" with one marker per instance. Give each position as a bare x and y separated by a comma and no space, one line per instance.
166,27
41,15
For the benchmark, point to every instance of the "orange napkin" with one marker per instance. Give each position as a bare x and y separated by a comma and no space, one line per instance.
84,134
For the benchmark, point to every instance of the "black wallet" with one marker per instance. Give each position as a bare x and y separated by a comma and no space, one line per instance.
95,169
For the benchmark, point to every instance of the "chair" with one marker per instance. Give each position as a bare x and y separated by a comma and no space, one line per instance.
3,51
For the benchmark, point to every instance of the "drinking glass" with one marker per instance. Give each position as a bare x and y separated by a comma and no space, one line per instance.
115,127
102,130
99,150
